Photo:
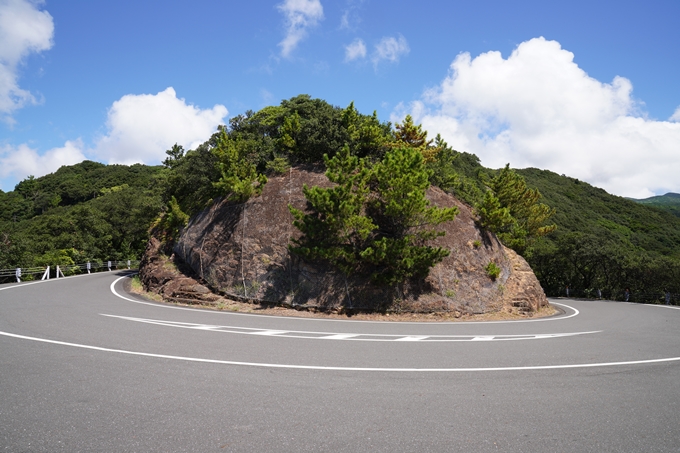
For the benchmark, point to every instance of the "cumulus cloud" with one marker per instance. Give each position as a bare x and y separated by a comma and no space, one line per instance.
16,163
300,15
24,29
142,127
537,108
390,49
676,116
357,49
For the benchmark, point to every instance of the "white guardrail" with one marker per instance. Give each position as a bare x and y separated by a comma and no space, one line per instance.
32,273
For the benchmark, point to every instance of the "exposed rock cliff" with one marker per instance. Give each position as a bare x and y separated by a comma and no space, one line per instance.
241,251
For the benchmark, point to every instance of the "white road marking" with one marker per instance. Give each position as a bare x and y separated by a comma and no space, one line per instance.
229,313
340,368
412,338
315,335
330,368
340,336
269,332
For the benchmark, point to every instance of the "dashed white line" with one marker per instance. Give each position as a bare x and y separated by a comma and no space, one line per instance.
268,332
340,336
412,338
315,335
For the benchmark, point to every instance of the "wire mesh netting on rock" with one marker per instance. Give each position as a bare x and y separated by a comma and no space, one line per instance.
241,250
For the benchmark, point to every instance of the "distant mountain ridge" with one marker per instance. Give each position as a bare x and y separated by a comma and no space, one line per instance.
669,202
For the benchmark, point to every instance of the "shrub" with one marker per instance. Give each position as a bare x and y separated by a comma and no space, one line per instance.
492,270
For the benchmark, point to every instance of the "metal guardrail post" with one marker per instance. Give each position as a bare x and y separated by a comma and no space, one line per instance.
18,275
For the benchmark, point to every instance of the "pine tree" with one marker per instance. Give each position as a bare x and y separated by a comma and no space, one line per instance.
408,134
239,178
405,219
336,230
375,220
171,221
508,194
367,137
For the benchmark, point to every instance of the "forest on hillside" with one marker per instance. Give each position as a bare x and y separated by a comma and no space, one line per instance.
572,234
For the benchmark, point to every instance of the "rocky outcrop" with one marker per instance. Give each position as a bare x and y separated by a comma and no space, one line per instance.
240,250
163,275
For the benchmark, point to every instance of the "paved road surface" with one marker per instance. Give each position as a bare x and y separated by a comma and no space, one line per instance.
86,367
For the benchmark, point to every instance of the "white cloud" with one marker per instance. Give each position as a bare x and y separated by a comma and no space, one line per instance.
537,108
350,16
17,163
344,20
676,116
357,49
300,15
142,127
390,49
24,29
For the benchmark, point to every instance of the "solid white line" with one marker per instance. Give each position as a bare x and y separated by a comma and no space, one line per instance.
672,307
483,338
339,368
161,305
19,285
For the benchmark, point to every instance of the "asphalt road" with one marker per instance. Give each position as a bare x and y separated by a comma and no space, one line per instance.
86,367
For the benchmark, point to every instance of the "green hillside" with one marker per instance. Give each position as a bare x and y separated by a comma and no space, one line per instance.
669,202
94,211
89,211
603,241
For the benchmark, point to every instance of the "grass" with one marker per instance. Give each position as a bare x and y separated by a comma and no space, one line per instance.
492,270
136,287
136,284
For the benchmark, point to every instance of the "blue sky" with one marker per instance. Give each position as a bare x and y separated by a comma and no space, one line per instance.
587,89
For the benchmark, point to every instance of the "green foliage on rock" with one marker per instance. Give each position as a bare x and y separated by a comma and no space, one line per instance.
492,270
375,220
239,178
169,223
512,210
336,230
404,217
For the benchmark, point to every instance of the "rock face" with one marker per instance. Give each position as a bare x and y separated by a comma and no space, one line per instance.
240,250
160,275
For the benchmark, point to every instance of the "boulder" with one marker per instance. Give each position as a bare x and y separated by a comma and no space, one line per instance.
241,251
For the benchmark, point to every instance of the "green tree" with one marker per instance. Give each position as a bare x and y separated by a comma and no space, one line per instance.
366,135
405,219
336,230
171,220
413,136
528,215
375,220
240,179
